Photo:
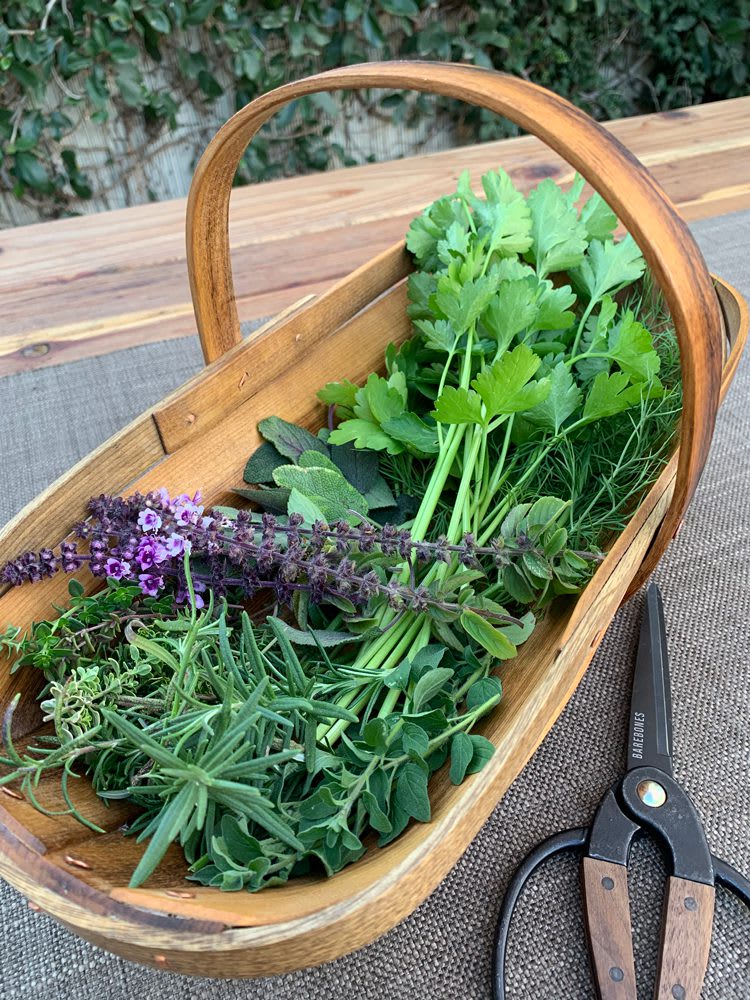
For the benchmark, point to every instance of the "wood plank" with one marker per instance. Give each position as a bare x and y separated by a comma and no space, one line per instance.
119,278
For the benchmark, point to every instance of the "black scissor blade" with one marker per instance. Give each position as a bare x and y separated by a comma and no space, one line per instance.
650,733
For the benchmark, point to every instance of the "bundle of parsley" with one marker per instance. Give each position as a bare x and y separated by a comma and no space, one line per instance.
274,690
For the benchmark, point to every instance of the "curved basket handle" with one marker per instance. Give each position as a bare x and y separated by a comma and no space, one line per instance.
608,166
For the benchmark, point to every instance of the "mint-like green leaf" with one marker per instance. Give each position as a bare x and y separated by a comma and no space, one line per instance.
609,266
414,740
411,791
562,402
399,676
482,691
544,512
378,819
483,752
462,750
505,388
490,638
520,633
458,406
419,437
517,585
428,685
632,347
559,237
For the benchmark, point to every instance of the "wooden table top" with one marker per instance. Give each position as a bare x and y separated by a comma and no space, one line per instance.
84,286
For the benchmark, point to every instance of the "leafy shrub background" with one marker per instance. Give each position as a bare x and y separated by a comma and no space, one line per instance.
65,64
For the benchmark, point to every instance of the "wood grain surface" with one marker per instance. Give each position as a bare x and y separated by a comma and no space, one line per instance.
86,286
686,939
607,909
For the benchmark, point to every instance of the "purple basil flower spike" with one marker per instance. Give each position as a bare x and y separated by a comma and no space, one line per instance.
176,545
149,520
151,552
151,583
117,568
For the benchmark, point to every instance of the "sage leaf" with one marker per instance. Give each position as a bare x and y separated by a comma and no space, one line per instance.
289,439
325,487
261,464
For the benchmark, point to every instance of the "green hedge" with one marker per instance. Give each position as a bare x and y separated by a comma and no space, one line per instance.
61,60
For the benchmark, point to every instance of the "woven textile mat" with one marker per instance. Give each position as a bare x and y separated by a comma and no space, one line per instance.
54,416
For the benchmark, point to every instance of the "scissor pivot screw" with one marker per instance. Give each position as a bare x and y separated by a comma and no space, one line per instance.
651,793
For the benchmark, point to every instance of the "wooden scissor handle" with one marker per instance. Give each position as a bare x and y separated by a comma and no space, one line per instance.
607,908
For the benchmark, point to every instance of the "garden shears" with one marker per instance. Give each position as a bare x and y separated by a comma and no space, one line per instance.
647,799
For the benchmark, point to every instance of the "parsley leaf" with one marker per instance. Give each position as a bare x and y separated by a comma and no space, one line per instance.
598,218
458,406
611,394
514,308
560,238
505,387
609,266
632,347
562,402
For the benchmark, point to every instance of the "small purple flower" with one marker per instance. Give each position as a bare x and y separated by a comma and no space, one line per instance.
151,552
183,594
149,520
176,545
117,568
186,511
151,583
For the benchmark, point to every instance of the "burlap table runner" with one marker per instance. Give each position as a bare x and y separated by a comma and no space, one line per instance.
54,416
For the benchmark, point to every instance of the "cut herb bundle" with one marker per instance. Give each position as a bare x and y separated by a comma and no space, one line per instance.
271,688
